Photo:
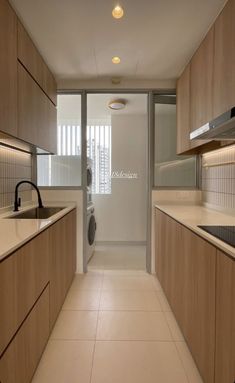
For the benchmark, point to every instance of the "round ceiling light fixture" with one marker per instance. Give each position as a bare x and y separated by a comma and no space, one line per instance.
117,104
116,60
118,12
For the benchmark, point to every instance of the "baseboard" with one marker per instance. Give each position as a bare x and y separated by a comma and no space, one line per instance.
120,243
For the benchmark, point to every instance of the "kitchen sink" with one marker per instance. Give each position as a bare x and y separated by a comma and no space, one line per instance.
37,213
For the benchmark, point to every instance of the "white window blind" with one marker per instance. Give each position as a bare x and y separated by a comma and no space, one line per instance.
99,152
69,140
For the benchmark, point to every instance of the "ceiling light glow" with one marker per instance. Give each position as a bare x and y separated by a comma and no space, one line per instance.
116,60
118,12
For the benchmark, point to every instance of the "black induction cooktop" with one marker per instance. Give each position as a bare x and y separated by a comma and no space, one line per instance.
225,233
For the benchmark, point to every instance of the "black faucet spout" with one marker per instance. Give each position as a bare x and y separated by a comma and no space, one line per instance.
17,200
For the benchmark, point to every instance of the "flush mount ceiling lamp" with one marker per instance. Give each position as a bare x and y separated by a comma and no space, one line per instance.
117,104
118,12
116,60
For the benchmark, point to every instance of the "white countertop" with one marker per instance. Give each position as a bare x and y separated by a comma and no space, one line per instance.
191,215
16,232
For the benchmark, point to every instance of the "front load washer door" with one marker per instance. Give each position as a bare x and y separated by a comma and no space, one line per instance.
91,230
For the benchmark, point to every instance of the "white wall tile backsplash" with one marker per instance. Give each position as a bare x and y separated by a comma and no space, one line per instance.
14,167
218,177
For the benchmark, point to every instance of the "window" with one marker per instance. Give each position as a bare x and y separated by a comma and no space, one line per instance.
99,156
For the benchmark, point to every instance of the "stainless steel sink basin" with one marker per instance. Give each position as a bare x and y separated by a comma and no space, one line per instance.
37,213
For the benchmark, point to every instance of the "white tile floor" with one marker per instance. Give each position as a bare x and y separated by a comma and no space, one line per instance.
118,257
116,326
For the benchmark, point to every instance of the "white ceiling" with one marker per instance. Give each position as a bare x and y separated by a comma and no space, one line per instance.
155,39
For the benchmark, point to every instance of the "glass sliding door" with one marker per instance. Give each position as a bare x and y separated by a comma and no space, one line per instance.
170,169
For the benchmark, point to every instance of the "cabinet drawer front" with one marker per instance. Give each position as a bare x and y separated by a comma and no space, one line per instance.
20,360
23,276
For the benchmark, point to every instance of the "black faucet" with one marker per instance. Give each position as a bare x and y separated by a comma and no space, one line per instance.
17,202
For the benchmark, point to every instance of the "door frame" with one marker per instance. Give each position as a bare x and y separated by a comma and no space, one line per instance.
149,168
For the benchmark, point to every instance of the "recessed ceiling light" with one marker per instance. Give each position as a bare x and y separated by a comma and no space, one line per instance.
118,12
117,104
116,60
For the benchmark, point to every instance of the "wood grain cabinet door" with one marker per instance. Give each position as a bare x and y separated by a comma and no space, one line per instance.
62,261
36,113
23,276
21,358
31,59
224,60
225,320
197,314
8,69
183,111
169,259
201,83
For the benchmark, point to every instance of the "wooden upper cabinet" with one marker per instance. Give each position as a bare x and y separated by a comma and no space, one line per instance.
201,83
224,60
29,56
194,97
8,69
183,111
225,320
36,113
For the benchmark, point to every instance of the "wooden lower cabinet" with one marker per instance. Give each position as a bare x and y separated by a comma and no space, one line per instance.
168,242
18,363
225,320
23,276
196,315
62,261
185,266
34,281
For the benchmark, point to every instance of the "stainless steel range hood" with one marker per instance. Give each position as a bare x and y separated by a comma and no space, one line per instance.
221,128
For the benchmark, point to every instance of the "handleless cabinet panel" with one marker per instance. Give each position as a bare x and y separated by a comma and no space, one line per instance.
224,61
8,69
225,320
34,63
21,358
201,83
62,261
23,276
36,113
185,266
197,314
183,111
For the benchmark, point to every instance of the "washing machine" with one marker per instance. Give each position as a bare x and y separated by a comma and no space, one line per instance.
91,230
89,180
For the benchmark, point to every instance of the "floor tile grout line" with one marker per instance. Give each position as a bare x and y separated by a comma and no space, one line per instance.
113,340
173,340
97,322
182,363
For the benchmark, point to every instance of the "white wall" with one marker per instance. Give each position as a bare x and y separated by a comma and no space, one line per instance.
69,196
121,216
